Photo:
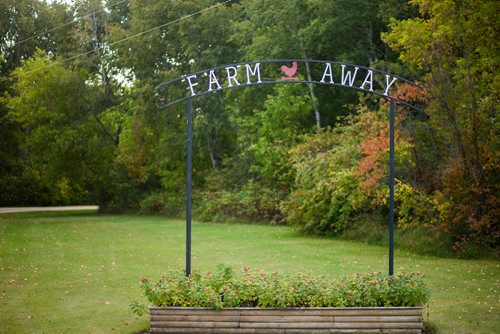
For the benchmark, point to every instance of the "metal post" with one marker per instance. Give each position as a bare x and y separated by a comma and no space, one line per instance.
188,184
391,190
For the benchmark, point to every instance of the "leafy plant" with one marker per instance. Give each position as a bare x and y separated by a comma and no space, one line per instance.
138,308
256,288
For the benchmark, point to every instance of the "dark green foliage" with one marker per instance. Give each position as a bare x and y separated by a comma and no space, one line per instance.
251,202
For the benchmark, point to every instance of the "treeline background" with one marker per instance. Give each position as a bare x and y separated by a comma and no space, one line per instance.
79,124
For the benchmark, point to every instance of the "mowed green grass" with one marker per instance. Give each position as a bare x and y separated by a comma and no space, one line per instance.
77,273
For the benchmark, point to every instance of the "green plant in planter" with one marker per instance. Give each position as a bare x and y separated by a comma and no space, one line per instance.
256,288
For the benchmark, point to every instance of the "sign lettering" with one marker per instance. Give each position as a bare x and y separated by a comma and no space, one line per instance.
368,80
327,73
348,76
256,70
279,71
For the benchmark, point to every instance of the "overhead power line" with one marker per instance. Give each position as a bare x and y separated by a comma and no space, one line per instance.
76,19
133,36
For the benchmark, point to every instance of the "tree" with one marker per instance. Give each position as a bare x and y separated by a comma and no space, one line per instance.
177,42
455,44
24,26
279,31
64,144
273,131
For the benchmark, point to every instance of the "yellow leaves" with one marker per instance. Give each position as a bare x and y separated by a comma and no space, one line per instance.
410,38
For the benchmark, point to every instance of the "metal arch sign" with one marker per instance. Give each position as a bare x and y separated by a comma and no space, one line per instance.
263,72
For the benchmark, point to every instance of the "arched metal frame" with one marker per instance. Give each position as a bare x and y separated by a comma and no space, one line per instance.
348,77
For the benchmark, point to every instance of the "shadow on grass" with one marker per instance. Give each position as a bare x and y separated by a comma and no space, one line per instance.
144,331
430,328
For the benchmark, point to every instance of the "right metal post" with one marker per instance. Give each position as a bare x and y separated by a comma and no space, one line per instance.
391,188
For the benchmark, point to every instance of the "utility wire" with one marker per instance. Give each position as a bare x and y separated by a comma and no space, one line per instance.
76,19
130,37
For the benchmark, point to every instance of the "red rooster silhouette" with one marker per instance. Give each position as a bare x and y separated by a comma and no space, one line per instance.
289,71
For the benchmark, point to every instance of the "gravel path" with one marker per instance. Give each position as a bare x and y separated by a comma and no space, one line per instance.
49,208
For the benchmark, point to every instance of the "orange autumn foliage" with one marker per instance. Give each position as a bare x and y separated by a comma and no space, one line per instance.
370,168
415,96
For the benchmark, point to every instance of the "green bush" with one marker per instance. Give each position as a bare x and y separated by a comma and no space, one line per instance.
162,203
256,288
252,202
325,198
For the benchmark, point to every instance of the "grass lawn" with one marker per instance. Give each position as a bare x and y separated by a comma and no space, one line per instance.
77,273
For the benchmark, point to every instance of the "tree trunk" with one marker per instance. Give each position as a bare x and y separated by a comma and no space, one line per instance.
310,85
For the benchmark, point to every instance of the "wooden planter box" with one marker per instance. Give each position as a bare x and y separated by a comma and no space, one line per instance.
290,320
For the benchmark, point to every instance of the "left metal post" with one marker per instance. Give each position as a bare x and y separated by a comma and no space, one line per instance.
189,171
391,189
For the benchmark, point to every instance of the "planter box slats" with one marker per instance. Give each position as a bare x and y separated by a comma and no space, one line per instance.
283,318
294,320
178,317
292,325
195,324
330,311
191,311
347,325
396,318
281,331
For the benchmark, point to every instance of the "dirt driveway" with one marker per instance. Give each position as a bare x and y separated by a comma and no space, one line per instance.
49,208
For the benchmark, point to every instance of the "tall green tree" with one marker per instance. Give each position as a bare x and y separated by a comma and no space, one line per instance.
279,31
24,26
61,145
181,37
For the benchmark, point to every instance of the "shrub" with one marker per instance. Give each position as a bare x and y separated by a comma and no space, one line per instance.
326,194
252,202
162,203
256,288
